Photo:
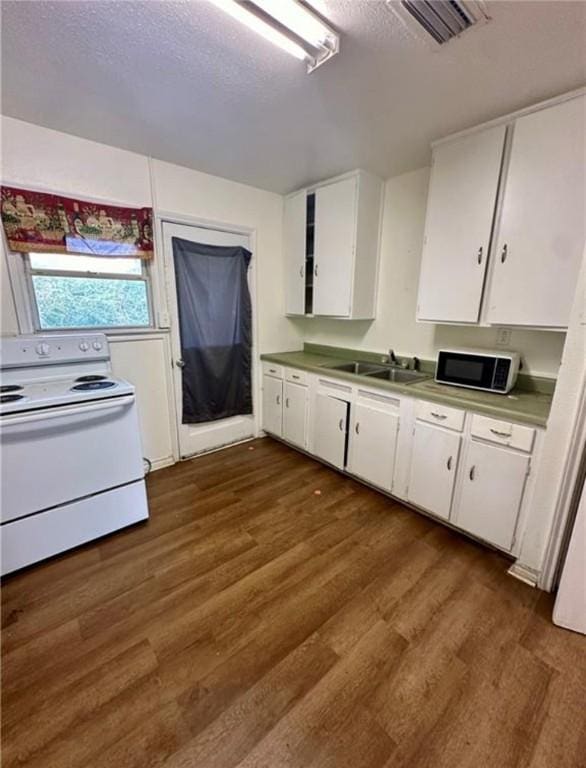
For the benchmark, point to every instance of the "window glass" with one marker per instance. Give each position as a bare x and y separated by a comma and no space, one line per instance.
64,262
85,302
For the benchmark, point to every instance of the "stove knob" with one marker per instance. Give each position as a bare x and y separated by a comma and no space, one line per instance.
43,349
84,346
97,345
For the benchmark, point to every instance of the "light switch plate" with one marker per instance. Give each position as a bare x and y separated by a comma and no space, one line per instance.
503,337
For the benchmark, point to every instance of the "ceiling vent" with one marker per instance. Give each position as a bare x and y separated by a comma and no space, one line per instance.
440,20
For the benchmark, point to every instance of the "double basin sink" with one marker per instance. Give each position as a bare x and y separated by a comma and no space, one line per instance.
378,371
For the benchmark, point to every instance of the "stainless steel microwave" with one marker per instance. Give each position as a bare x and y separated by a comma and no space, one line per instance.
490,370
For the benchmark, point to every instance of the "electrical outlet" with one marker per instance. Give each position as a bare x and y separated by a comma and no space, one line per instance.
503,337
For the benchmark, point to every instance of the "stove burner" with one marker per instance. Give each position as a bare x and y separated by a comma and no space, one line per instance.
11,398
10,388
91,377
91,385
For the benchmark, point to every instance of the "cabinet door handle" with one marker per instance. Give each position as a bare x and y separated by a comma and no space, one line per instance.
278,399
500,434
286,402
357,428
300,271
479,255
315,270
472,472
440,416
341,425
504,253
449,463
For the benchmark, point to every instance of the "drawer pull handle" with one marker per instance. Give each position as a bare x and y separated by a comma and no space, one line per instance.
440,416
472,472
341,425
357,428
479,256
272,370
294,376
500,434
278,399
449,464
287,402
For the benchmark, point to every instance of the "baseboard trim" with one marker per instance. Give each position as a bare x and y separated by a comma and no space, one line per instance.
523,573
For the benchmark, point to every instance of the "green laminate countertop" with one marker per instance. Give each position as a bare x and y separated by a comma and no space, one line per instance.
520,405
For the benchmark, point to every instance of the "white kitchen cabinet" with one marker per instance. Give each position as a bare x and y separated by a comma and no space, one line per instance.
541,229
335,244
331,247
462,196
272,405
295,407
294,243
434,461
330,427
373,444
493,482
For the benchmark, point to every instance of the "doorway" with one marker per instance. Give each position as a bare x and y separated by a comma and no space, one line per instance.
195,438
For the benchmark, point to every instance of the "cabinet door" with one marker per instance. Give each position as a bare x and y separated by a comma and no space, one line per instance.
460,209
373,442
272,408
434,461
492,490
541,231
296,398
294,234
335,240
330,424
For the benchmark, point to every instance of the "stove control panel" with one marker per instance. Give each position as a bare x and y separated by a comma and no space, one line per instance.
27,351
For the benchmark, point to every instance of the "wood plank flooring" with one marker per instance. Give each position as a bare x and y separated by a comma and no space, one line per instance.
256,623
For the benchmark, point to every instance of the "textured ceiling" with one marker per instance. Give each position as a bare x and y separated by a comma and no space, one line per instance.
183,82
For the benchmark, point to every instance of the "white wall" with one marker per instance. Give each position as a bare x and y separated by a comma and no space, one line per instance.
395,326
39,158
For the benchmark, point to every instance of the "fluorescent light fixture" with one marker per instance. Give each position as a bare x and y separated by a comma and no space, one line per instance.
298,19
243,15
310,39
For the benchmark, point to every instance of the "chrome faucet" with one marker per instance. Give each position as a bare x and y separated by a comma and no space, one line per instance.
393,357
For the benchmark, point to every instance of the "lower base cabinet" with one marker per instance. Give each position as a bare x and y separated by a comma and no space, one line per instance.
373,445
330,427
434,462
493,483
272,408
295,404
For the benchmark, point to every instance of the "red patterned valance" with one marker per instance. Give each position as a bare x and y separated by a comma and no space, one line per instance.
35,221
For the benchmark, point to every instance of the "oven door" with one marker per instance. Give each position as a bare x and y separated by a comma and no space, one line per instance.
60,454
465,369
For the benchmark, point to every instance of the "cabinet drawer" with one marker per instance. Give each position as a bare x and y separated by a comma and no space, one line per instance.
272,369
503,433
296,376
451,418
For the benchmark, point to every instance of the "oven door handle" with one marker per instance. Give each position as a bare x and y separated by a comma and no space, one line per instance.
57,413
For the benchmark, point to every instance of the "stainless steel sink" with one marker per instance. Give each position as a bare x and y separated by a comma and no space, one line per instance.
356,367
398,375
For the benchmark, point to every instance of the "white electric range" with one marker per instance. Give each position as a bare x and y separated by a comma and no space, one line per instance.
70,454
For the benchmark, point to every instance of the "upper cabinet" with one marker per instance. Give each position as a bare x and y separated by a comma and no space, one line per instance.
462,196
331,247
540,232
504,231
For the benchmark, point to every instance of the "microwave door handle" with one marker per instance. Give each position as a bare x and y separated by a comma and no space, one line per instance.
57,413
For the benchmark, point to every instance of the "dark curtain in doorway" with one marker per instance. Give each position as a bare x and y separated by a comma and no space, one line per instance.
215,327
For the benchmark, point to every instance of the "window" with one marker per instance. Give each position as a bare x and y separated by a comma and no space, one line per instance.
88,292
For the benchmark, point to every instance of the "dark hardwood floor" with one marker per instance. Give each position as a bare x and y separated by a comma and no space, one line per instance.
274,613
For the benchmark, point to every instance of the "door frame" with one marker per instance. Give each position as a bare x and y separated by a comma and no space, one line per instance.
167,281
